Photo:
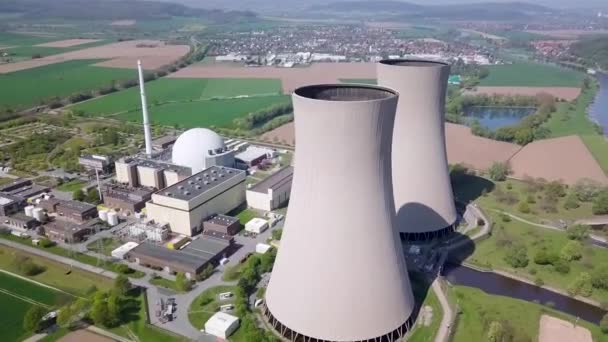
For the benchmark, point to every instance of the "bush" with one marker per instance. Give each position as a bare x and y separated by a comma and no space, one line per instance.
581,285
571,202
599,277
183,283
523,207
538,281
498,171
505,218
32,321
530,199
46,243
600,203
122,269
571,251
517,256
604,324
561,266
542,257
577,232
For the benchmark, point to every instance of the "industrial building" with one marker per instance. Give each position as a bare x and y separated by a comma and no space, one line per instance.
94,162
201,148
424,200
66,232
19,221
163,143
138,172
121,251
190,260
347,232
23,188
122,197
272,192
256,225
222,224
10,204
186,204
72,210
252,156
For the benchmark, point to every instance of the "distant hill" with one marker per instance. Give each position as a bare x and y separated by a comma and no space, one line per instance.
366,6
112,10
593,50
400,9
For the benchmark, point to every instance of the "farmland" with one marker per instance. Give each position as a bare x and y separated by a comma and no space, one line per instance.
176,90
531,75
28,87
16,297
190,102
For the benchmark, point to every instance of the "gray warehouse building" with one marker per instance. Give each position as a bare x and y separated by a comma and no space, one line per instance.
272,192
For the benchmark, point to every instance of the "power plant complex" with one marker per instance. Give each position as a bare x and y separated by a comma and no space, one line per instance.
421,182
340,246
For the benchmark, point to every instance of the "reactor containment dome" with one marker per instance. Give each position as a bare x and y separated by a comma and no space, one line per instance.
201,148
340,274
421,182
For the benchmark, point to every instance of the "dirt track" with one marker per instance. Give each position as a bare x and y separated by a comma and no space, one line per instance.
556,330
291,78
565,159
565,93
68,43
153,54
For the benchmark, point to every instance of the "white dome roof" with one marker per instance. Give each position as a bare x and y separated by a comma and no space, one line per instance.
192,147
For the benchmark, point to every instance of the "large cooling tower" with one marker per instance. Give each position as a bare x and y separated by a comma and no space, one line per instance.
340,274
421,180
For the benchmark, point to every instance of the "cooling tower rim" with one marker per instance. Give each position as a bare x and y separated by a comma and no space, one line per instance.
406,62
363,93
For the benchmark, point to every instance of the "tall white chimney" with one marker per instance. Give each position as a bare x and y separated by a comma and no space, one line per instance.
144,107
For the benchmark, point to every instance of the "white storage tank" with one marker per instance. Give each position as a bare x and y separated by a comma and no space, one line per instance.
112,218
103,215
29,211
39,215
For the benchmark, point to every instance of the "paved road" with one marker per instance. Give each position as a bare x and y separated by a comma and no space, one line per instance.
448,315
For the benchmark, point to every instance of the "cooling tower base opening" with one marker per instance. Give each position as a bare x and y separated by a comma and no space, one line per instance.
294,336
427,236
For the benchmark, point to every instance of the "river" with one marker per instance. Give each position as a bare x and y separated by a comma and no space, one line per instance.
598,111
496,284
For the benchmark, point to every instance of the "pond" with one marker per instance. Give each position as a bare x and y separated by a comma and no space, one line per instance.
494,118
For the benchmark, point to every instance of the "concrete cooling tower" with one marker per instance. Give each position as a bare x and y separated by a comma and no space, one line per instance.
421,180
340,274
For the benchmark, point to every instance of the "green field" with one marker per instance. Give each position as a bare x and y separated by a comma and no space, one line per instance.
598,146
218,113
28,87
16,297
71,186
25,52
479,309
16,39
179,90
531,75
572,118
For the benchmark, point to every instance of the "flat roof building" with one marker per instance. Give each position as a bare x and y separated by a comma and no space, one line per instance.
252,156
19,221
186,204
10,204
163,143
66,232
126,198
149,173
92,162
122,250
223,224
189,260
23,188
72,210
272,192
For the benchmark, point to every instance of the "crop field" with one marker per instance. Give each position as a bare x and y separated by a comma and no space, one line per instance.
178,90
16,39
531,75
27,87
16,297
218,113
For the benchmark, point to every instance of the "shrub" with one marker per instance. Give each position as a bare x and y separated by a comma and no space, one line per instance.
571,251
523,207
571,202
517,256
600,203
498,171
538,281
577,232
604,324
542,257
46,243
581,285
530,199
599,277
122,269
505,218
561,266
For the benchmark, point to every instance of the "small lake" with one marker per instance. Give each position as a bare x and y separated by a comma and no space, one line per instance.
598,111
494,118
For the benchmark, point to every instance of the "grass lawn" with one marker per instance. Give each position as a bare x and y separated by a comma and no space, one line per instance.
17,296
179,90
206,304
107,246
571,118
5,180
491,253
598,146
218,113
166,283
246,215
532,75
84,258
71,186
359,80
479,309
61,79
76,282
423,293
136,323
